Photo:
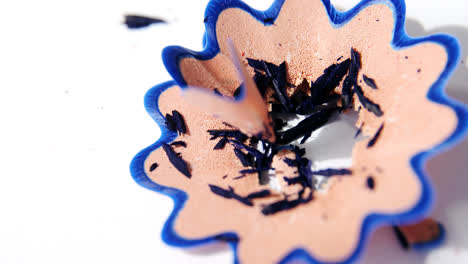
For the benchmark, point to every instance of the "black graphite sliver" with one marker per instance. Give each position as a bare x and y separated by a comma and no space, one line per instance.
351,79
180,122
230,194
369,81
359,130
137,21
277,77
249,171
401,237
290,162
153,166
285,204
326,83
368,104
244,159
229,133
179,143
259,194
375,137
170,123
176,160
305,127
370,182
331,172
221,143
176,122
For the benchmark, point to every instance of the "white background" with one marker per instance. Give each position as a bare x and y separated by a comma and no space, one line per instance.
72,81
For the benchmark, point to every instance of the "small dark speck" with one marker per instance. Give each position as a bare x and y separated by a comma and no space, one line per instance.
225,176
239,177
153,166
370,182
279,44
377,20
406,57
339,58
419,70
360,81
205,19
268,20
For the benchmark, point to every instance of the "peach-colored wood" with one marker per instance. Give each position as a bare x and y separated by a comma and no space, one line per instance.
329,226
248,114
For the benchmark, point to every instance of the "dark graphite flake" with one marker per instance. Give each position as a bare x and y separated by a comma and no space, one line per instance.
331,172
359,131
325,84
369,81
221,143
137,21
368,104
375,137
276,76
401,238
180,122
228,133
230,194
259,194
285,204
176,122
351,79
370,182
153,166
179,143
305,127
176,160
244,159
170,123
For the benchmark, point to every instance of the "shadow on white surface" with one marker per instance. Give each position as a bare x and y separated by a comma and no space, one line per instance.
209,249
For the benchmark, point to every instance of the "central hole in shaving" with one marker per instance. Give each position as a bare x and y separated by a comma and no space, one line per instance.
329,147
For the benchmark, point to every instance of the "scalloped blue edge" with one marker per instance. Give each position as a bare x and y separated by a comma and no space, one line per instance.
173,54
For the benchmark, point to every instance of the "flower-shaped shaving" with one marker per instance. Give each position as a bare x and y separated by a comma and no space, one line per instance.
309,35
